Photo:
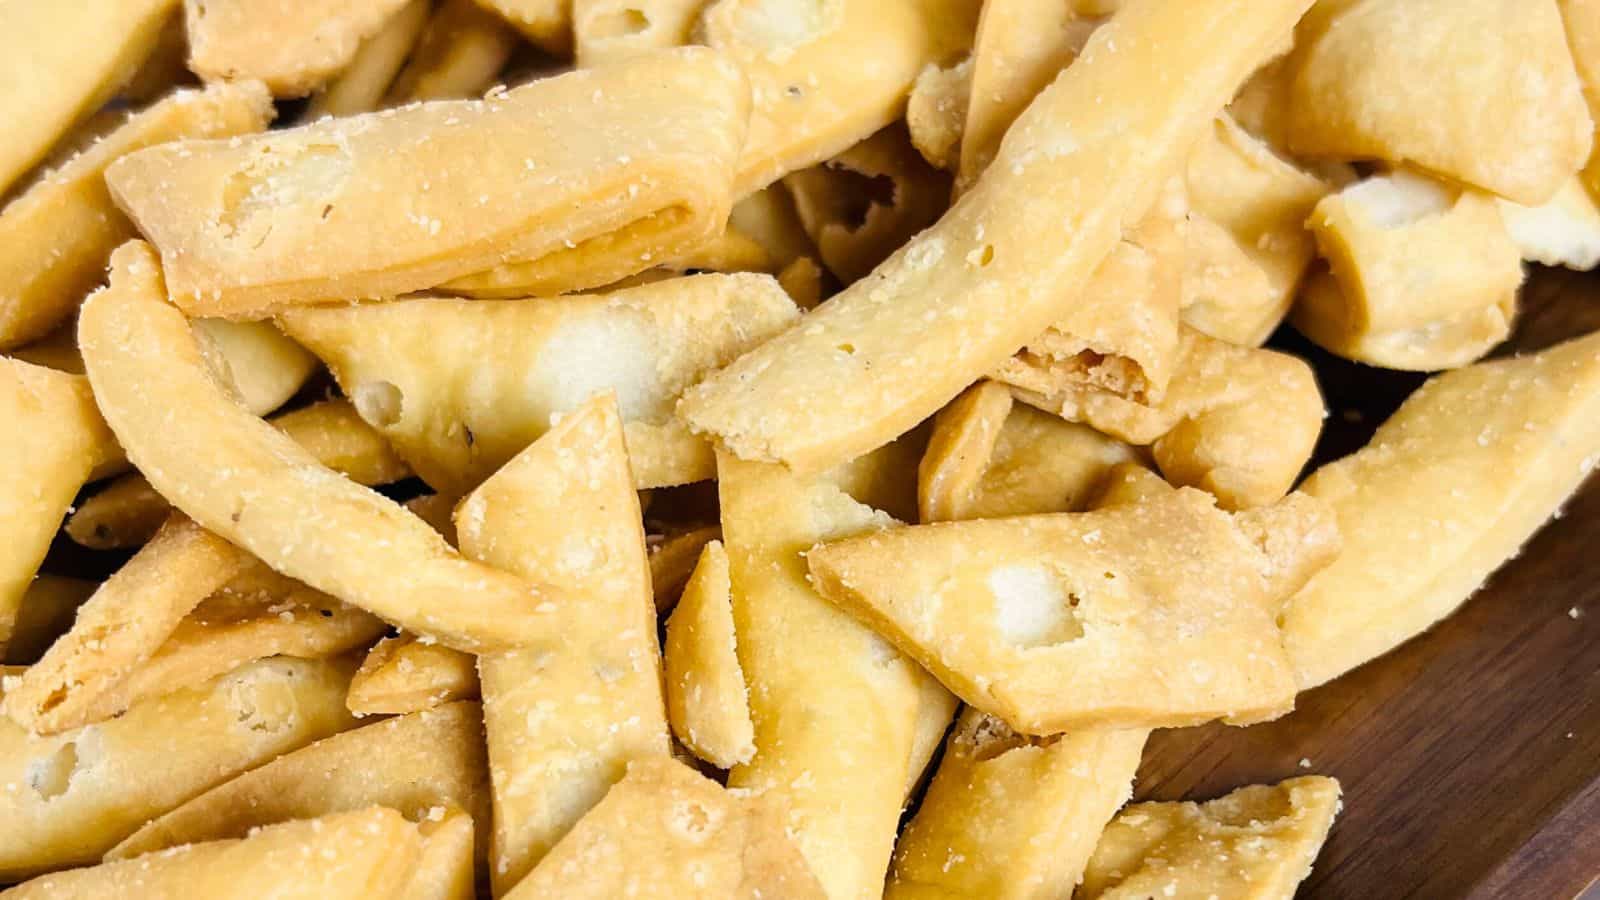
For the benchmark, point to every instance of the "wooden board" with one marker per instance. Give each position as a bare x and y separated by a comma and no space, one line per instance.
1470,756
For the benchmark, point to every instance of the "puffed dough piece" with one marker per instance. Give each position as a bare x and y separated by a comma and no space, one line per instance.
77,794
936,112
292,45
61,62
1563,232
46,613
404,675
901,192
460,54
707,701
968,292
1239,422
609,30
1385,80
1425,275
446,869
565,715
53,438
265,493
1449,488
127,512
1257,843
361,86
1078,620
666,831
56,236
834,743
460,386
1009,816
547,23
371,852
825,76
634,155
410,764
673,558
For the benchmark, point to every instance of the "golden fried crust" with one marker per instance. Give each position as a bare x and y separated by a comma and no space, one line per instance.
707,701
404,675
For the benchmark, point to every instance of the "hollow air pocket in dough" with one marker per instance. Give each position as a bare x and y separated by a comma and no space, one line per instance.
460,386
1450,487
265,493
968,292
292,45
636,155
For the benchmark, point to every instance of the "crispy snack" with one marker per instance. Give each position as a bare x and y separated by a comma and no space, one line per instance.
547,23
1009,816
411,764
360,87
126,512
768,217
47,609
1563,232
886,478
802,281
79,793
673,557
665,831
824,77
633,157
56,236
459,386
708,704
834,742
1424,276
565,715
968,292
1078,620
165,67
863,204
1256,843
57,350
260,366
62,61
1387,80
372,852
936,113
959,450
265,493
292,45
460,54
404,675
445,870
1582,20
1130,484
609,30
53,438
1449,488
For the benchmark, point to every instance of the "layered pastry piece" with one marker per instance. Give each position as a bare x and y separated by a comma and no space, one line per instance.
1562,232
666,831
292,45
605,31
1258,842
1424,275
1448,489
1079,620
361,85
616,167
404,675
460,386
459,55
707,700
1386,80
965,294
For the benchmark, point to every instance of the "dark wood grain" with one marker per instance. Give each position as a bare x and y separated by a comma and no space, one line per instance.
1470,756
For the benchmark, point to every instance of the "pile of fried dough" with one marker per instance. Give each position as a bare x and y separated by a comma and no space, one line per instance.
832,434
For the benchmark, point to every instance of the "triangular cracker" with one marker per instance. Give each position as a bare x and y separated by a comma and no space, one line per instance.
707,700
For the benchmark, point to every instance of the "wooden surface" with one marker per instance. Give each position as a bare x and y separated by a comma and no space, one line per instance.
1470,756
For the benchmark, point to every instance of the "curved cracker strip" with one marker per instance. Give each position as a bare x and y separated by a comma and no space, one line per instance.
361,86
565,715
605,31
1385,81
963,440
460,54
56,236
1563,232
708,704
1258,841
1449,488
292,45
673,558
1077,620
342,209
79,793
376,856
936,113
404,675
547,23
963,295
826,76
409,763
1008,816
47,609
445,870
449,382
667,831
267,494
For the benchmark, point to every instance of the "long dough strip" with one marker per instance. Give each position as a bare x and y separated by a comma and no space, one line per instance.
460,54
968,292
362,85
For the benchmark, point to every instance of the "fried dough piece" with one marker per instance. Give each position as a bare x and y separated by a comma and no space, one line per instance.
605,31
360,87
404,675
936,113
673,557
708,704
964,435
445,870
451,385
460,55
966,293
768,217
547,23
45,614
1563,232
1256,843
611,166
261,368
1582,19
1449,488
292,45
